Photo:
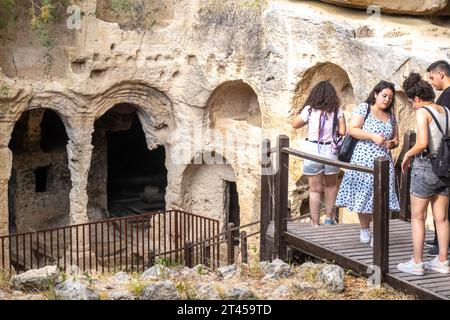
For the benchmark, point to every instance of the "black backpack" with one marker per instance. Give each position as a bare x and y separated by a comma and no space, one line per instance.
441,163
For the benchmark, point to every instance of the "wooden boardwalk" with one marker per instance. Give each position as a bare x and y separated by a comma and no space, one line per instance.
340,243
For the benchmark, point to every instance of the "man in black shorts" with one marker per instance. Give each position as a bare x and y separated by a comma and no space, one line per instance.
439,74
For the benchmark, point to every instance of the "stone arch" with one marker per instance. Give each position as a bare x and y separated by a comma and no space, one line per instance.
208,187
320,72
148,99
122,176
66,107
40,180
233,100
155,109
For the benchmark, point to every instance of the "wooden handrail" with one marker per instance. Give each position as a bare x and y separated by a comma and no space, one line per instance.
327,161
245,225
381,213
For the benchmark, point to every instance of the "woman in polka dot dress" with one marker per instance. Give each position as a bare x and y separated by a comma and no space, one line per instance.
376,135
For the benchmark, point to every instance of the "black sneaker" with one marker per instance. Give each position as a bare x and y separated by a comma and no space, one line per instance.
429,243
434,251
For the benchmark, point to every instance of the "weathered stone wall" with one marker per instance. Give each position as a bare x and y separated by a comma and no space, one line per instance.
40,210
34,209
205,190
97,181
202,52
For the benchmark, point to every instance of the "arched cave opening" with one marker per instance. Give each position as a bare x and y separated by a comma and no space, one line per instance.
133,178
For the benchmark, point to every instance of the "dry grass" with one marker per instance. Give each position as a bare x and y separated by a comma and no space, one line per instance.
136,286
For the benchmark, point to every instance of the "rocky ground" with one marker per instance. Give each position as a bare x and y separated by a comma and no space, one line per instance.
256,281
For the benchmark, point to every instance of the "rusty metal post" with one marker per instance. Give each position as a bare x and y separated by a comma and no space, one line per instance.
188,254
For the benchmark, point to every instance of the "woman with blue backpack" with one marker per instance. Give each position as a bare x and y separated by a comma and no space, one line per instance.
326,126
428,182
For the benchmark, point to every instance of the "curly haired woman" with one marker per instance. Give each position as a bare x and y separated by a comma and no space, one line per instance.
326,124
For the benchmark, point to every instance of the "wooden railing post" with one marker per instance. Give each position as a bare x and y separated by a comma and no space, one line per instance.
405,180
244,252
188,254
281,199
230,244
381,215
266,197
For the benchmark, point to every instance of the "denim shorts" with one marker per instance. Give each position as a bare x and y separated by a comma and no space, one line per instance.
424,183
312,168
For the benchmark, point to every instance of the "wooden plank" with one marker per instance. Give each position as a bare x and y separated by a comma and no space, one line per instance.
396,223
353,247
318,251
318,235
397,256
438,280
423,293
331,237
306,229
411,277
444,293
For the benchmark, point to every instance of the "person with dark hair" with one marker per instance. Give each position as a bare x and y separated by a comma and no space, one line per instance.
373,123
326,126
439,75
425,186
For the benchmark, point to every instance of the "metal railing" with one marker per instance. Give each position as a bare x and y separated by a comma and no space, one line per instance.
130,243
220,249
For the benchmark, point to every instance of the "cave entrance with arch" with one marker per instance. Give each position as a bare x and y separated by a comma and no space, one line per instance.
40,182
126,177
211,190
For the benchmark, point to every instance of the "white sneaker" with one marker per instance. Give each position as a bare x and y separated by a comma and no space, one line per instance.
438,266
412,267
364,236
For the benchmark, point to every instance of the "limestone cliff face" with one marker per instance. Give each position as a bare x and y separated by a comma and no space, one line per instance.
200,73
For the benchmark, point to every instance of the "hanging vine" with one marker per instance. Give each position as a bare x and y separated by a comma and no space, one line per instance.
42,15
